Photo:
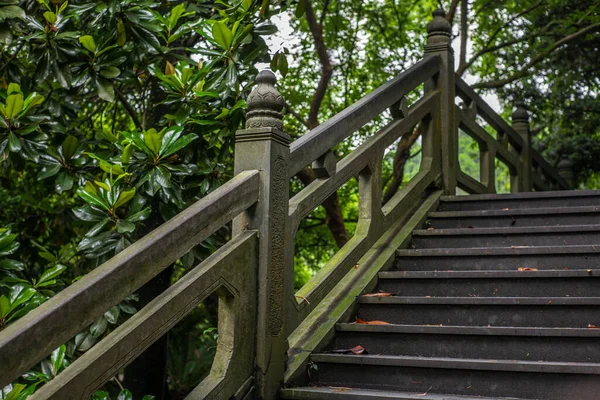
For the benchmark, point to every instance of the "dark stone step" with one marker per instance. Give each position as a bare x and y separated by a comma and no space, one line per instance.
508,258
534,380
334,393
576,283
506,237
552,216
506,343
570,198
568,312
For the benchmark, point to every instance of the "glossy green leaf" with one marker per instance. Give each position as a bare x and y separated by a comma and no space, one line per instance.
124,226
51,273
69,147
92,199
125,197
64,182
88,43
121,33
57,357
110,72
125,395
105,89
14,144
14,105
127,152
11,11
112,315
19,294
50,17
153,140
98,327
300,8
222,35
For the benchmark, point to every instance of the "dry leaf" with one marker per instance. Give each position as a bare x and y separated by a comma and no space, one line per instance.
378,294
593,326
528,269
355,350
340,389
362,321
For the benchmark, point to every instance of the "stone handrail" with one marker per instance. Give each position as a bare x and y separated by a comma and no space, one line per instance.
66,314
262,322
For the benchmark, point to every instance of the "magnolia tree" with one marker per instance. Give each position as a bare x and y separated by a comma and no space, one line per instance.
115,115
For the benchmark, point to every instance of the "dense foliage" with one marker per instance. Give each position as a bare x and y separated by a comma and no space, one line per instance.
115,116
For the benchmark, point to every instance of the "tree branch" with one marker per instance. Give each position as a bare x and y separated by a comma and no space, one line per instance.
464,32
128,108
526,70
333,213
298,117
510,21
326,69
452,11
400,158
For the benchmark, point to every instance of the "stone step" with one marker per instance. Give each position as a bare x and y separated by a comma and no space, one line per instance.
506,237
555,283
499,258
475,377
526,217
521,200
567,312
504,343
333,393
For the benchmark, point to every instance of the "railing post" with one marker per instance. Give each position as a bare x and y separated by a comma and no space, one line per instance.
520,122
264,146
438,44
565,170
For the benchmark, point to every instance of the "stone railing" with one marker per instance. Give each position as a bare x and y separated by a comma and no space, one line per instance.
266,331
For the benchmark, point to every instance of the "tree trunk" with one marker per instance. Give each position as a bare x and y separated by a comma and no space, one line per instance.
400,159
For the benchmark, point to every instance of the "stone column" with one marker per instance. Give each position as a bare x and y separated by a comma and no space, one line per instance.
438,44
264,146
565,170
520,122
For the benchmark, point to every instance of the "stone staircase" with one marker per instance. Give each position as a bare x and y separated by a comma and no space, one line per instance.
497,297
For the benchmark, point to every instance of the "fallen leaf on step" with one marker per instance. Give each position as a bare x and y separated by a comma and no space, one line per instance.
505,209
362,321
424,394
593,326
355,350
339,389
528,269
430,229
378,294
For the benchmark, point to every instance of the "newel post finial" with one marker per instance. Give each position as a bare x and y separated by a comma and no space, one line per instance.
520,114
520,122
439,27
263,146
565,169
445,137
265,103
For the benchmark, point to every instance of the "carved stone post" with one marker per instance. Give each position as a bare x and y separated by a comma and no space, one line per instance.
520,122
438,44
565,170
264,146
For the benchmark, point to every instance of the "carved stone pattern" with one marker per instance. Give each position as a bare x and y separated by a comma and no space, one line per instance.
277,262
262,122
265,104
